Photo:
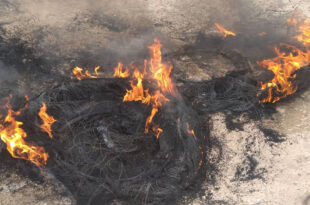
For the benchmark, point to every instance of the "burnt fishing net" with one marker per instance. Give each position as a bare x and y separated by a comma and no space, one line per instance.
101,153
230,93
235,92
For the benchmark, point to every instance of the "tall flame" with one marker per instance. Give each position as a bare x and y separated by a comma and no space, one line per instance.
138,93
153,70
81,73
304,30
285,64
47,121
224,32
13,135
161,72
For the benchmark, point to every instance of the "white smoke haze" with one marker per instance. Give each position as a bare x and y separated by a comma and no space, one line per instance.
63,28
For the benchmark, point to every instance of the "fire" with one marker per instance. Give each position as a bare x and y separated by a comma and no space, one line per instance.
119,73
157,130
292,22
191,132
154,70
138,93
284,66
161,72
13,135
262,34
81,73
47,121
224,31
304,36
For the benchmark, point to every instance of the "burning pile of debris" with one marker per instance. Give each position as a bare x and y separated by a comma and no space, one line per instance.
103,146
137,136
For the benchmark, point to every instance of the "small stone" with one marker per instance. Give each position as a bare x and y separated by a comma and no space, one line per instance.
185,58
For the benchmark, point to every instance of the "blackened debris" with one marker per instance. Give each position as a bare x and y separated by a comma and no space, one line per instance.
272,135
248,170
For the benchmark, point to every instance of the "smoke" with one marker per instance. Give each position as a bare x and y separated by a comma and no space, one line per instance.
8,74
77,30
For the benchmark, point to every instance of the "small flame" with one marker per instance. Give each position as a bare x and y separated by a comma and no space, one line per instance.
224,32
119,73
191,132
81,73
200,164
285,64
13,135
292,22
47,121
157,130
261,34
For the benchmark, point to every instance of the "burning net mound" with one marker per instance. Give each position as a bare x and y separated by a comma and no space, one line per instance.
129,138
104,153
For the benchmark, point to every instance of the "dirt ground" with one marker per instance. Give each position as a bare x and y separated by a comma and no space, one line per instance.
254,169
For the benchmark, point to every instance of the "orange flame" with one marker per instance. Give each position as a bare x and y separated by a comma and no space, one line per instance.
284,66
81,73
191,132
154,70
138,93
13,135
304,29
47,121
224,31
118,71
262,34
157,130
292,22
161,72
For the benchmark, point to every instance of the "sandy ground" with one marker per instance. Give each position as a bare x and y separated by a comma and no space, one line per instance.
282,174
16,189
252,170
